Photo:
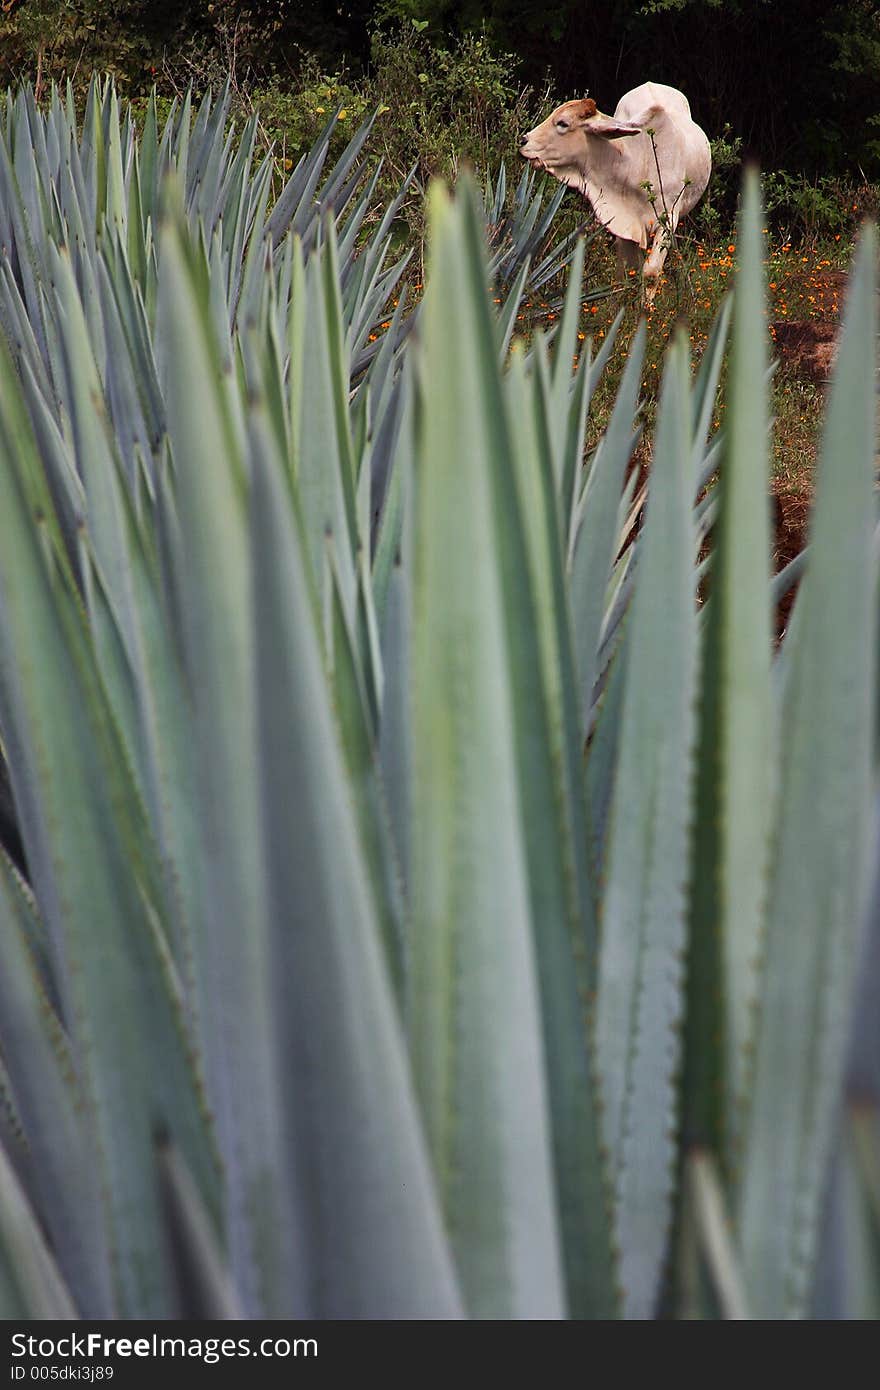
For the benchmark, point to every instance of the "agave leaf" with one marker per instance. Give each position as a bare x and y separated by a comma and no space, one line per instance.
30,1283
148,154
92,872
206,161
324,468
93,155
357,718
552,798
117,201
137,230
603,754
864,1128
790,575
559,254
737,760
332,193
200,141
384,377
180,130
714,1233
847,1283
348,233
124,604
510,309
565,339
497,200
475,1026
366,312
617,601
297,192
595,540
78,209
154,712
26,170
21,338
643,920
392,588
821,864
707,377
61,1158
63,482
130,308
574,476
389,523
27,915
205,1287
11,1127
248,228
395,729
23,252
372,1235
123,398
230,942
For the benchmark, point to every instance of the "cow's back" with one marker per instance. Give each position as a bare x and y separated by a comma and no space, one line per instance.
673,103
678,144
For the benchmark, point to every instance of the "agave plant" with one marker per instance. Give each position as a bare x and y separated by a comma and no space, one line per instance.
425,908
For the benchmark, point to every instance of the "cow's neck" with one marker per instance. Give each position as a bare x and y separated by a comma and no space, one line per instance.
603,180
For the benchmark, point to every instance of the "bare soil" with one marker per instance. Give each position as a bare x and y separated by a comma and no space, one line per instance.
806,349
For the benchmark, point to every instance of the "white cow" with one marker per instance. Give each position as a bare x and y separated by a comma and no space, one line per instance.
639,187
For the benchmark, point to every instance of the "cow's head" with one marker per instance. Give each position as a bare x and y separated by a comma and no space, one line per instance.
560,144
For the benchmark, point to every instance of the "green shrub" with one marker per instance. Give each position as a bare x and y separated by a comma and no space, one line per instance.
448,105
428,910
717,208
441,108
807,210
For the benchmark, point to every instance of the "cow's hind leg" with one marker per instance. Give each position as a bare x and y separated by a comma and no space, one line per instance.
655,259
628,256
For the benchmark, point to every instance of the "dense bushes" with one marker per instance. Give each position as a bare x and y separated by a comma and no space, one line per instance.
798,80
448,100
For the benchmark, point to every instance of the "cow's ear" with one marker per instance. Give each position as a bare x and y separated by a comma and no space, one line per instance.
586,109
613,129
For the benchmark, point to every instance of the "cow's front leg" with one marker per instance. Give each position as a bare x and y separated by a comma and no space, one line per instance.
654,261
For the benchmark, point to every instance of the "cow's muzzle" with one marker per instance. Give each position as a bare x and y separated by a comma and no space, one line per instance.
530,154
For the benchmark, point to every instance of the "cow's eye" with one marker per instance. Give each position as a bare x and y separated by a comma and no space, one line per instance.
562,125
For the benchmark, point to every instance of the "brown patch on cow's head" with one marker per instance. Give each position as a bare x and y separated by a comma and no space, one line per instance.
557,144
574,111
